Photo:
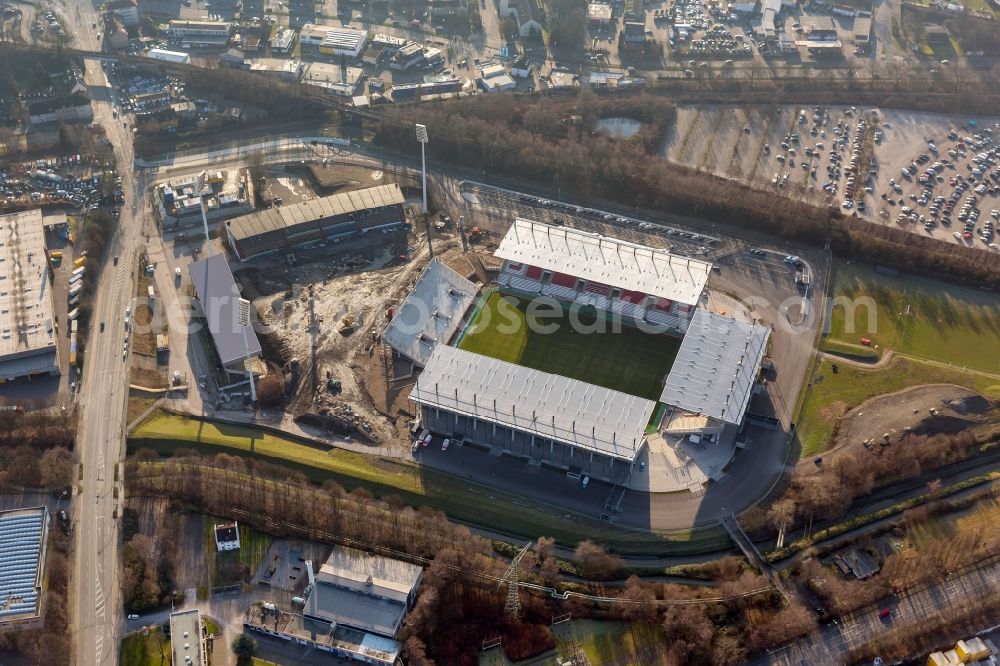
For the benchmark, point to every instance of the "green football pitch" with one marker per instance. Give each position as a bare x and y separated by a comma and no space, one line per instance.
598,352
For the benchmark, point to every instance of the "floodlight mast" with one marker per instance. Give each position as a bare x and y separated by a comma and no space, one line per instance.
422,138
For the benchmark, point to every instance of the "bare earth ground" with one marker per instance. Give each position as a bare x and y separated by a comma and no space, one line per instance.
957,409
358,288
712,138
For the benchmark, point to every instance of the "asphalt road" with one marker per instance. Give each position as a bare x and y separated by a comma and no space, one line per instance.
96,608
832,642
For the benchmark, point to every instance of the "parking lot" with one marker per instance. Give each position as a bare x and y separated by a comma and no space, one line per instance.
853,158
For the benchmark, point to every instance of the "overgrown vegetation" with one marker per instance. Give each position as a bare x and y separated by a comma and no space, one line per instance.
537,140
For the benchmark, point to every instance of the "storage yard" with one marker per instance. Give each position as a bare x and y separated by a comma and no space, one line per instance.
806,152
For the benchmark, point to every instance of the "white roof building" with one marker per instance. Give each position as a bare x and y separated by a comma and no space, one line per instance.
177,57
333,40
27,333
716,367
431,313
23,534
556,408
609,261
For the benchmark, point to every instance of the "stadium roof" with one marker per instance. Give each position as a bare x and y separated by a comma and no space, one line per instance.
220,301
610,261
558,408
716,366
22,548
431,313
283,217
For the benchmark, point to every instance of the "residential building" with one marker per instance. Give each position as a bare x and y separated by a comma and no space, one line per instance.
528,14
73,108
227,537
126,10
599,14
199,33
116,33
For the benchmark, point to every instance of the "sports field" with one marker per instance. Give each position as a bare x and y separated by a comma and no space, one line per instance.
597,352
917,316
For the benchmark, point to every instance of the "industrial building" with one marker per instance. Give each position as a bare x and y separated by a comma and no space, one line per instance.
187,639
332,40
198,33
174,57
23,536
223,194
126,10
227,315
315,222
285,69
431,314
493,78
370,593
862,31
599,14
27,327
335,79
642,285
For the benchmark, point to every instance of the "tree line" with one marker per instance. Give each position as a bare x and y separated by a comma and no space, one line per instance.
460,603
539,140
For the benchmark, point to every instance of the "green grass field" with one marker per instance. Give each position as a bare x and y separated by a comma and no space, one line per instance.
461,499
833,394
917,316
626,360
150,650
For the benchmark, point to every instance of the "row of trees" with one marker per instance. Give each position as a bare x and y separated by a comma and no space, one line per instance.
533,139
148,563
460,603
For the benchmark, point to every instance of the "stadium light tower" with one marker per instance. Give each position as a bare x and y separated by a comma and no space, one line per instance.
422,138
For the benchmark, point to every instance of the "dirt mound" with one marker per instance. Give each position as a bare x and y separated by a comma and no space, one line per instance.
940,423
973,404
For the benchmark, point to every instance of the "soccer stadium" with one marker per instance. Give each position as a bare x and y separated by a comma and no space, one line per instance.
585,350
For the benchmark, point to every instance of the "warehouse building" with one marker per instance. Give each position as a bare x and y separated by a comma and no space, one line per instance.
648,288
431,314
540,417
366,592
27,327
226,314
198,33
714,374
23,535
332,40
316,222
335,79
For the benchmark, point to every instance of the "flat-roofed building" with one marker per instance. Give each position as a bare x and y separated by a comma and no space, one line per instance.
286,69
821,29
527,413
370,593
317,221
126,10
334,79
332,40
23,535
187,639
599,13
716,368
645,285
27,328
199,33
862,30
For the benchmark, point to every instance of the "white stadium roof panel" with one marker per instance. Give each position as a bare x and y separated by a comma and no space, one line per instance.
583,415
431,313
716,367
609,261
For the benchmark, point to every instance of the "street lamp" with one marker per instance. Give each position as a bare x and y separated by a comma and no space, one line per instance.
422,138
